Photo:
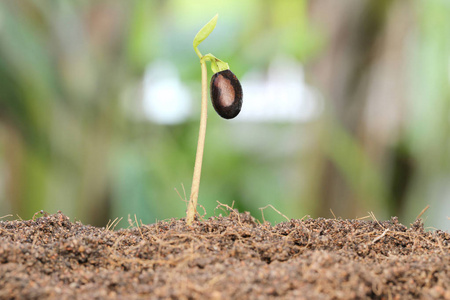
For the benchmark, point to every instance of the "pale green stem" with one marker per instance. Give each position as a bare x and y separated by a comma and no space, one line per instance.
192,206
198,53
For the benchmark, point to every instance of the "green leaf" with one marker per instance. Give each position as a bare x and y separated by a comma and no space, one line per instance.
222,65
205,31
217,65
214,67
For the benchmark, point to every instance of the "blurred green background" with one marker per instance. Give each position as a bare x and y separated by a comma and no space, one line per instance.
346,108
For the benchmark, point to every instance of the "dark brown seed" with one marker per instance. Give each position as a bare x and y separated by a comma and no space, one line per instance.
226,94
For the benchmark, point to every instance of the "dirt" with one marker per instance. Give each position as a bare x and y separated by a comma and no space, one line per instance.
229,257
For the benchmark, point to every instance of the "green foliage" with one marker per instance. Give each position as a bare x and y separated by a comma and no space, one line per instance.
217,65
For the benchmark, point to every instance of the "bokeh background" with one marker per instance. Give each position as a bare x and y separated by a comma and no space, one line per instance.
346,109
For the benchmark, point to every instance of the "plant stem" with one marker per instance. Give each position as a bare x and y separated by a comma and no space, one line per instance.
192,206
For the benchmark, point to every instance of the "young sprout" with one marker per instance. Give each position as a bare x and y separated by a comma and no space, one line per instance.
226,97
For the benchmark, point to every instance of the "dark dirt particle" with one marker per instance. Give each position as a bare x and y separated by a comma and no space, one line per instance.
230,257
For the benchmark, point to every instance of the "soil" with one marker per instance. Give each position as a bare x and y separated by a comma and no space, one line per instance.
224,257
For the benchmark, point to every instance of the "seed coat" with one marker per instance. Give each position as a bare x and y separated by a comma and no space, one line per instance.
226,94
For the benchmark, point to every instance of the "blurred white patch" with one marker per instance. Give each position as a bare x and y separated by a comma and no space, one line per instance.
165,99
282,96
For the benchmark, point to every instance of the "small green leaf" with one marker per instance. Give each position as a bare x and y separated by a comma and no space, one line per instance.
217,65
214,66
222,65
205,31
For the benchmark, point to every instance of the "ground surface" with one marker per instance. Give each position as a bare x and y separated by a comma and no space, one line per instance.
231,257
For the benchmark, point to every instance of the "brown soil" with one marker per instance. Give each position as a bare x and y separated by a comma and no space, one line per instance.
231,257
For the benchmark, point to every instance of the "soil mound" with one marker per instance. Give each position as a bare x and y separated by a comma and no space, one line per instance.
232,257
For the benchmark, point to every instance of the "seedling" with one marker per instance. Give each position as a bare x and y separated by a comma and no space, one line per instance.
226,97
